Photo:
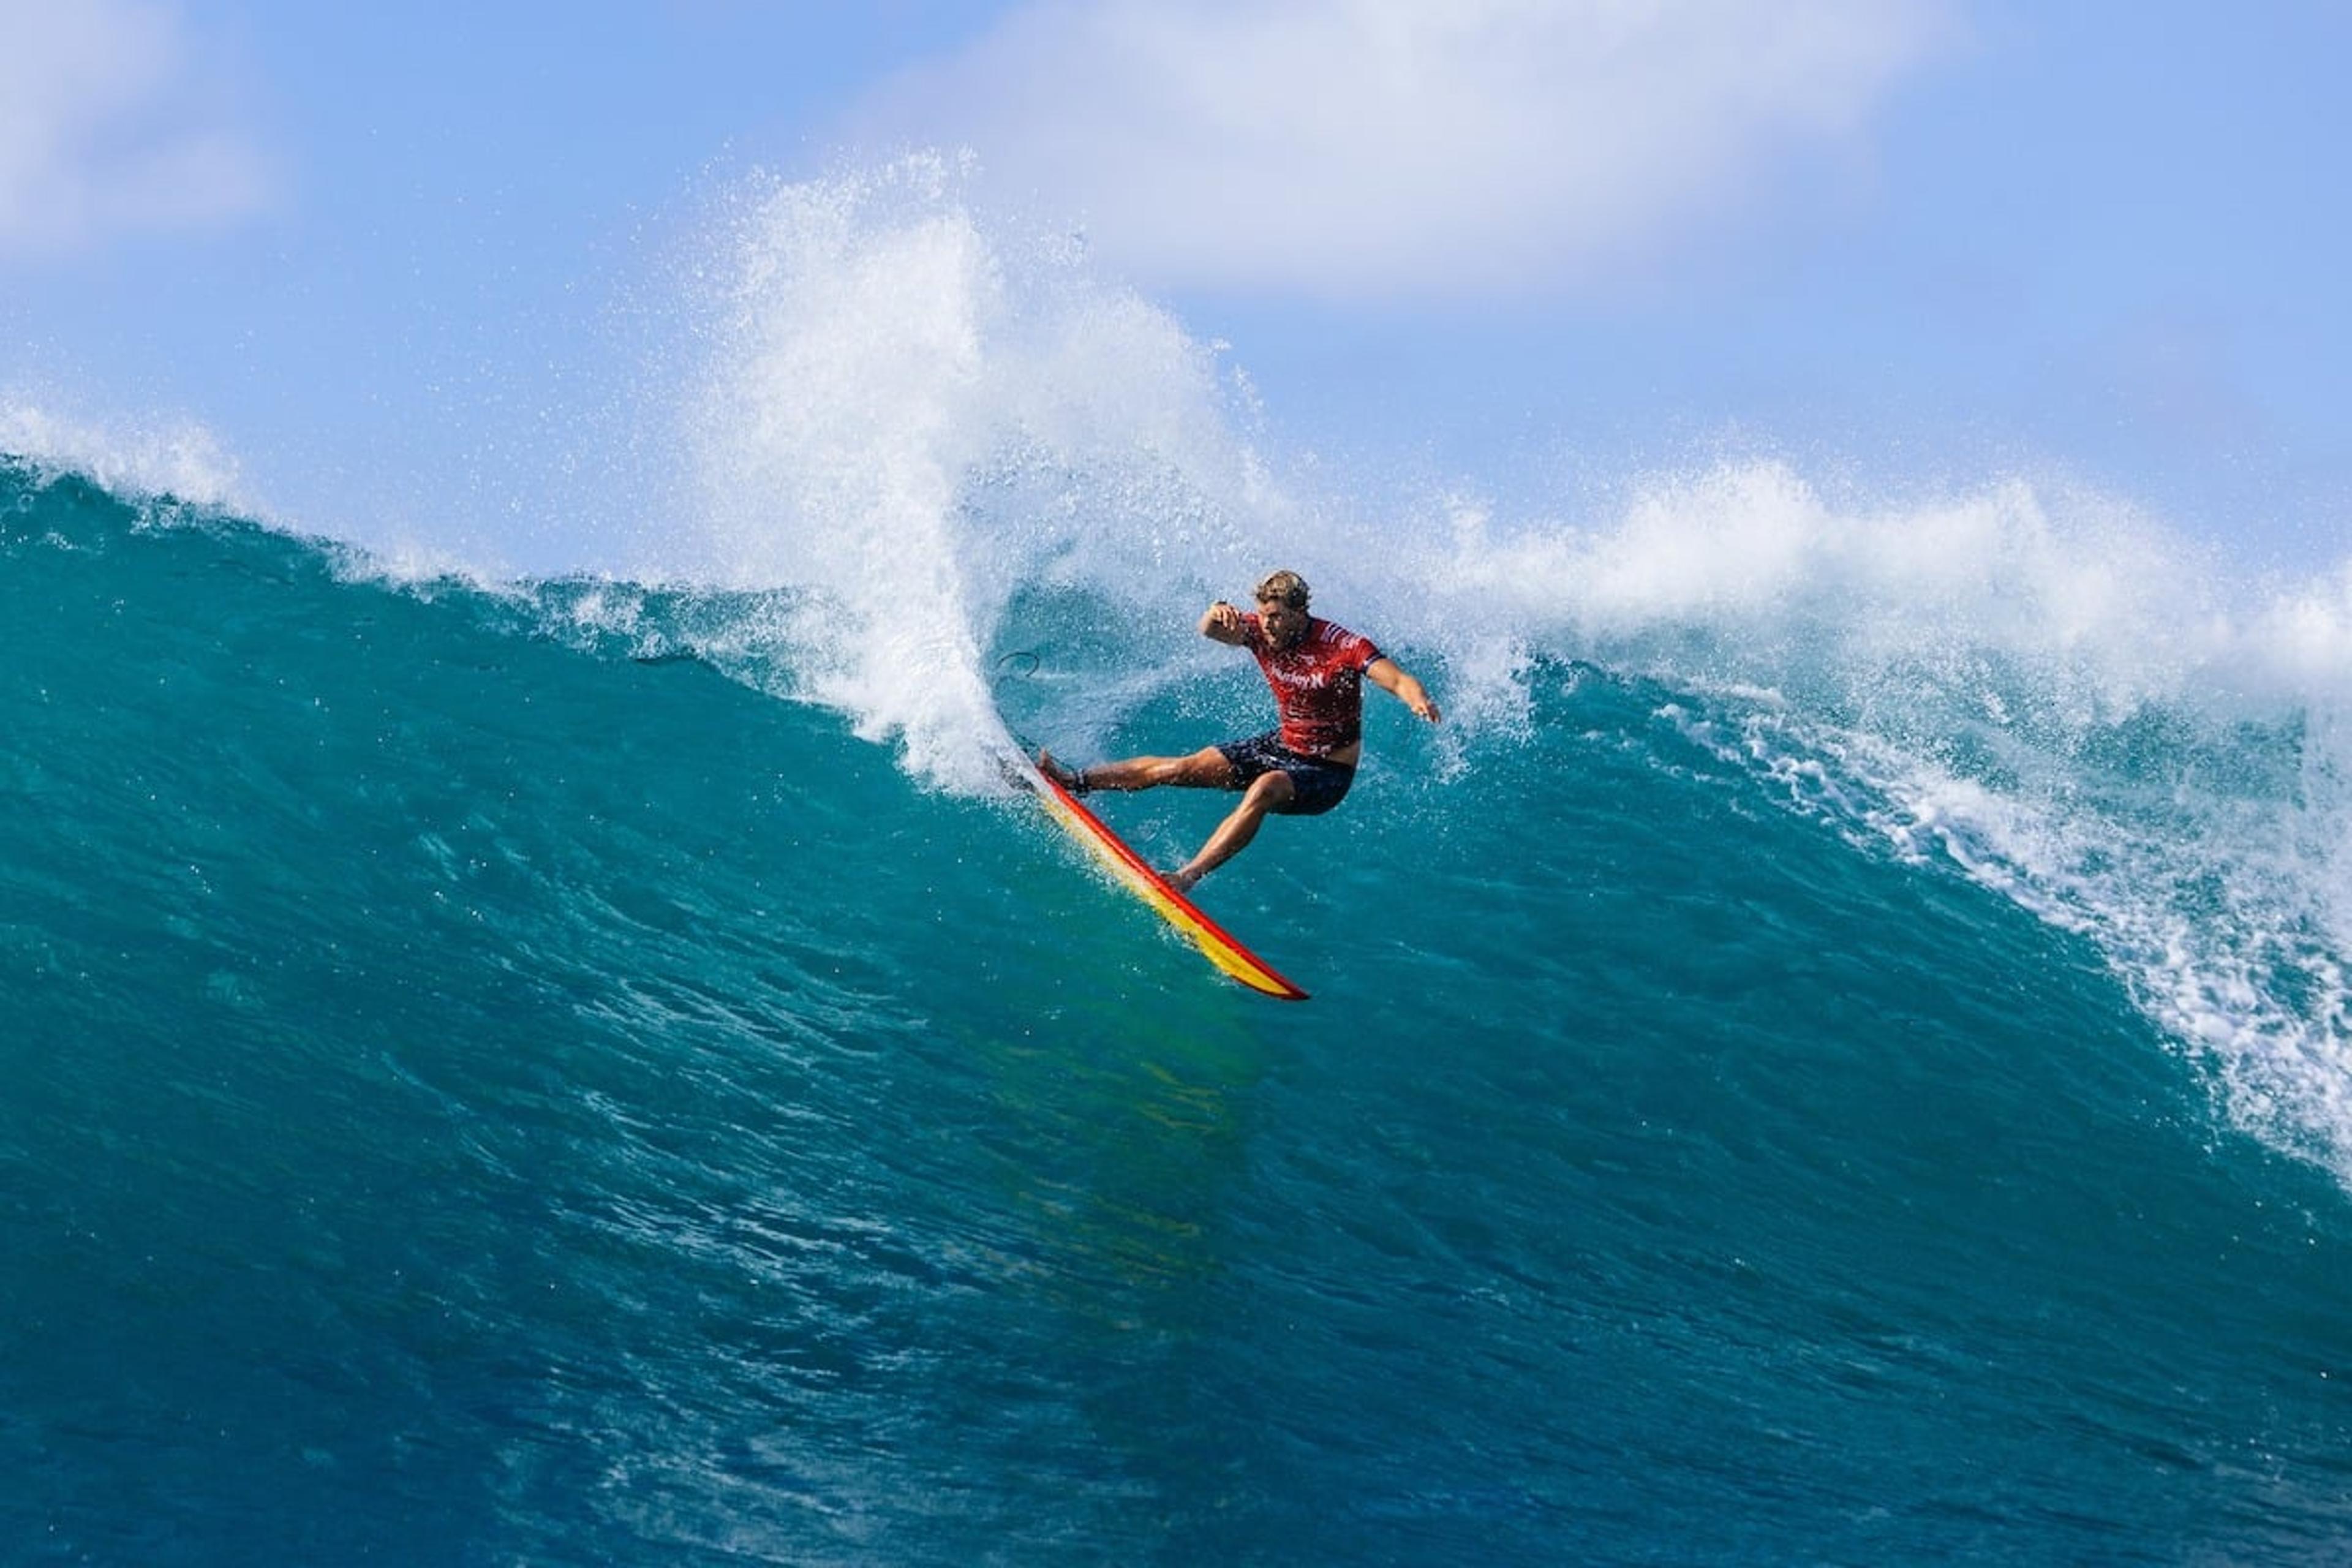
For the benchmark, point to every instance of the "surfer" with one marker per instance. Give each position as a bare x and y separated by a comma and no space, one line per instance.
1317,669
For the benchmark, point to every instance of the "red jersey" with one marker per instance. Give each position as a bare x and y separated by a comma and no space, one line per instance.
1318,683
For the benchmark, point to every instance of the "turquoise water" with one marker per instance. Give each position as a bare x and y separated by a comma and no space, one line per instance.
519,1073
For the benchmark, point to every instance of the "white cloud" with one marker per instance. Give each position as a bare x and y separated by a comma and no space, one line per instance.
107,126
1403,147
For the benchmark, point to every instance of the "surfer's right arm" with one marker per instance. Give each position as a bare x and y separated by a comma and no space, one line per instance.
1223,623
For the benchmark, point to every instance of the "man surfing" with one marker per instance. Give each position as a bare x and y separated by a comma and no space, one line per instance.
1317,669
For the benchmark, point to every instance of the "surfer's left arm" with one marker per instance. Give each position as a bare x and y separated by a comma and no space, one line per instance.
1384,673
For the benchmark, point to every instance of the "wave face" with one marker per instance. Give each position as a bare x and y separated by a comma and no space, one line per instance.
487,1080
1836,1051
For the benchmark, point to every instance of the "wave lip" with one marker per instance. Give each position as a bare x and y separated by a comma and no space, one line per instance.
175,457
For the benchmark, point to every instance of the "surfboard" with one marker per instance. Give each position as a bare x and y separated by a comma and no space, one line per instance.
1218,945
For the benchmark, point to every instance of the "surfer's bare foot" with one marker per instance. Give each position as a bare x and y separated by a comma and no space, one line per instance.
1071,779
1184,881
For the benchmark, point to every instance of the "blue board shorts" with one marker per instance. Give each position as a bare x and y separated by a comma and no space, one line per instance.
1318,783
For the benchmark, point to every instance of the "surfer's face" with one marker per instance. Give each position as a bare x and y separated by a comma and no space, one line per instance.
1285,623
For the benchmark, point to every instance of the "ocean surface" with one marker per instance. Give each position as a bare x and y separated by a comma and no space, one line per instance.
489,1082
1837,1051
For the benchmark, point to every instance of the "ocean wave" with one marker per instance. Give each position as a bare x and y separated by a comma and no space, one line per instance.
928,440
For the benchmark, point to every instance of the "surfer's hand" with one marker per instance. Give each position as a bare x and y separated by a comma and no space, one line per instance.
1384,673
1223,621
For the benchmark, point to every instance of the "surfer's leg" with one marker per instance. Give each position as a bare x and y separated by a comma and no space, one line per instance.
1269,791
1208,768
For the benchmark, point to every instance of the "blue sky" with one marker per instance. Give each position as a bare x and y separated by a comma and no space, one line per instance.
410,262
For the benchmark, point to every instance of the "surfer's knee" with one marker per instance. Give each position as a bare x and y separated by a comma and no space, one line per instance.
1269,791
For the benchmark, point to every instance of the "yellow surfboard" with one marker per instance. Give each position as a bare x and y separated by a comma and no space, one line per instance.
1215,942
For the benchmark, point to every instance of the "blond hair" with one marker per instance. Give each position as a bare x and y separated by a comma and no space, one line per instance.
1287,586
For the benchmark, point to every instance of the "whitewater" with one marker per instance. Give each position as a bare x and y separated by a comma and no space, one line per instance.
1836,1051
